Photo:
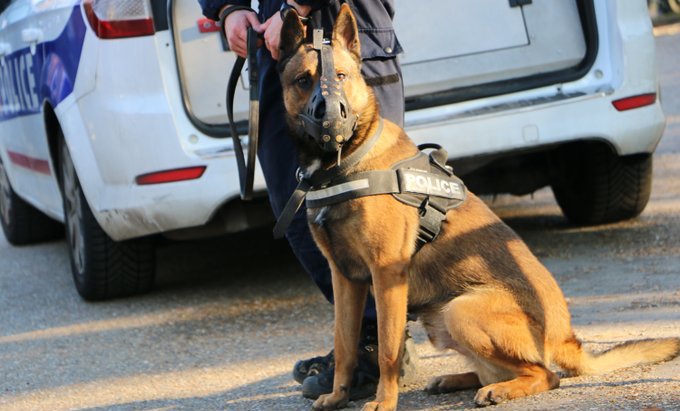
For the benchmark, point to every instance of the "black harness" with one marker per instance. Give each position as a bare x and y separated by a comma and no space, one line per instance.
420,181
423,181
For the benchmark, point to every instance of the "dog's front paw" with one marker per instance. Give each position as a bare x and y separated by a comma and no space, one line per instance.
491,395
379,406
330,401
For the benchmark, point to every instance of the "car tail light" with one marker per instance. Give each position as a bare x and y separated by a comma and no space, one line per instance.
112,19
632,102
170,176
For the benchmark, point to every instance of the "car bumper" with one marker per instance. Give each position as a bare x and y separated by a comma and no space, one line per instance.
526,126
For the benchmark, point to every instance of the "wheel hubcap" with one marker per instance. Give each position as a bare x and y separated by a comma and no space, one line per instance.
73,212
5,195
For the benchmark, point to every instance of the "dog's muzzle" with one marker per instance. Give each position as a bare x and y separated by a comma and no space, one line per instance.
328,117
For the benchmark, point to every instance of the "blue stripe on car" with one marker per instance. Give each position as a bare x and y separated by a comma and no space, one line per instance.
26,80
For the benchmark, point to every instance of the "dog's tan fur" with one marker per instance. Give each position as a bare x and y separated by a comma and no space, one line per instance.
477,288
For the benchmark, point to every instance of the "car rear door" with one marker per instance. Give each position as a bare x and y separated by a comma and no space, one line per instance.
454,50
467,49
204,63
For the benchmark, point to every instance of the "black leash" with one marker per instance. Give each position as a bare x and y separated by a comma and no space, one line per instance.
246,170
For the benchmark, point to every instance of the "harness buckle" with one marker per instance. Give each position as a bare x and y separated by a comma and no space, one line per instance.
422,210
317,39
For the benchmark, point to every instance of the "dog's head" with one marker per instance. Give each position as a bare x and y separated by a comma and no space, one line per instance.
327,101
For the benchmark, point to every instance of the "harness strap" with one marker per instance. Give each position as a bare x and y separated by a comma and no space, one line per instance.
320,178
292,206
356,185
420,181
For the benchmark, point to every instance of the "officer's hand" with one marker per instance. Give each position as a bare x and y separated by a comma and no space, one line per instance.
272,28
236,30
272,34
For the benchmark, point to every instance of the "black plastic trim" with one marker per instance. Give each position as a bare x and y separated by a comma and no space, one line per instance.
519,3
586,10
160,15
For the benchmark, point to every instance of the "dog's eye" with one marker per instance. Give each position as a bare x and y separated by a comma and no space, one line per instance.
303,81
341,76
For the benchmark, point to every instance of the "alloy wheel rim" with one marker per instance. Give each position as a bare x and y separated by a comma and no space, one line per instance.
5,195
73,212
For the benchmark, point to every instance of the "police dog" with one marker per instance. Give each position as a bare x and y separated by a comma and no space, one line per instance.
477,288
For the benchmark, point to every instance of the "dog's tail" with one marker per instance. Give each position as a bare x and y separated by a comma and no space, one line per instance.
574,359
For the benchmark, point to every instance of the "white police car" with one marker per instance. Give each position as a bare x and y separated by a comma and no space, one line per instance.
112,117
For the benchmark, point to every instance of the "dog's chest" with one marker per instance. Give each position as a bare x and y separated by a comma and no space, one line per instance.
336,232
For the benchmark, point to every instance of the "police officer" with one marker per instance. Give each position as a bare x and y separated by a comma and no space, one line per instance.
380,68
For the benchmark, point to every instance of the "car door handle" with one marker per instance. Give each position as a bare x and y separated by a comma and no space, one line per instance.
32,37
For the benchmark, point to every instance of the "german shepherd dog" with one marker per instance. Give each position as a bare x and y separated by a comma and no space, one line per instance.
477,287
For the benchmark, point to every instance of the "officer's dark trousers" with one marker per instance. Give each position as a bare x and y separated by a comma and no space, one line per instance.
278,159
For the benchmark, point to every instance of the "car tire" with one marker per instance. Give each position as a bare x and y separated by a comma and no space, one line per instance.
592,185
102,268
21,222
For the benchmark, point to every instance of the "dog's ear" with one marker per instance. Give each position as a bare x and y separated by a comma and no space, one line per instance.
345,31
292,35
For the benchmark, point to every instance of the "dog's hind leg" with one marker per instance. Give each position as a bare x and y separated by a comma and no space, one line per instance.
349,301
531,379
453,382
507,347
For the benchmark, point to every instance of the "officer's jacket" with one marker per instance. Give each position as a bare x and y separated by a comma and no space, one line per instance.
374,19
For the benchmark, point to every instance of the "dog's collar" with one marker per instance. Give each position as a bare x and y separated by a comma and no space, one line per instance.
319,178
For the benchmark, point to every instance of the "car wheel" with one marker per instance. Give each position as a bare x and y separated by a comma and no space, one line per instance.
21,222
102,268
592,185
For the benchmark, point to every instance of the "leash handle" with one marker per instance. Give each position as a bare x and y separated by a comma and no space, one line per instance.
246,170
254,114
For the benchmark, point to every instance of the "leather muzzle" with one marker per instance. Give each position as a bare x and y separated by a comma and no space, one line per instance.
328,117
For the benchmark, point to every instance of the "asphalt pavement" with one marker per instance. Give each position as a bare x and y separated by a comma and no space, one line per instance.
229,317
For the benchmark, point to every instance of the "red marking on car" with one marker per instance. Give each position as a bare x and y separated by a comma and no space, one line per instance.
632,102
36,164
170,176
